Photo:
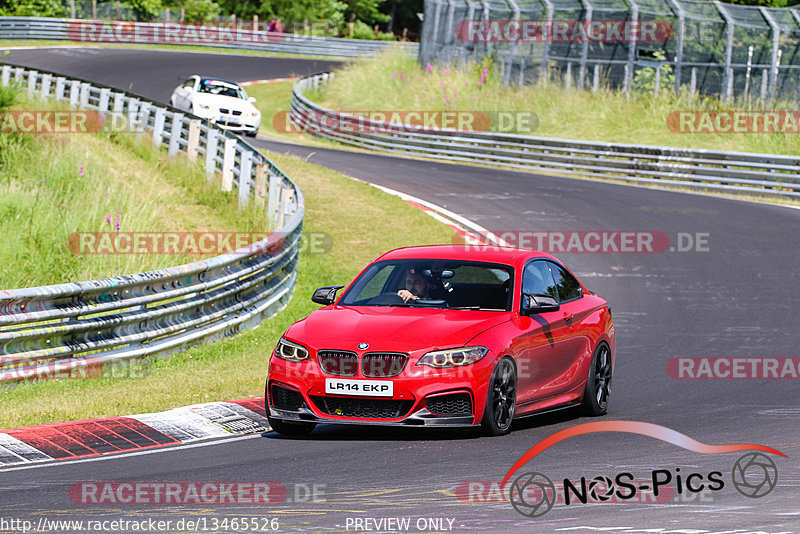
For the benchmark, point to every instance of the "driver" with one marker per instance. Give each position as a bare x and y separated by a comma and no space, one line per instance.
417,286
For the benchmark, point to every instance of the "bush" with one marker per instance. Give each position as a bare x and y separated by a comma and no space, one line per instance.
200,10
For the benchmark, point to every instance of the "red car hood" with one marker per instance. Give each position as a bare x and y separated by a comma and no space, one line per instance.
390,328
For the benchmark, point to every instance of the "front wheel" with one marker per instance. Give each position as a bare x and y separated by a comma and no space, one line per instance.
598,386
501,399
290,428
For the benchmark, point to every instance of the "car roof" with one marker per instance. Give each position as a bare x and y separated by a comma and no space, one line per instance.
487,253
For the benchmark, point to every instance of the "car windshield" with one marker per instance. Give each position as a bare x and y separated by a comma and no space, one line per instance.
433,284
218,87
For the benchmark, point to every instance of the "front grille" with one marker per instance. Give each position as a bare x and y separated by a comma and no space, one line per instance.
383,364
338,362
286,399
367,408
455,404
224,110
236,112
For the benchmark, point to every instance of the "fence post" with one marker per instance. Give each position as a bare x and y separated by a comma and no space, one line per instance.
102,105
85,88
228,161
630,65
245,174
32,74
693,82
60,84
175,134
587,7
679,41
774,57
547,37
274,196
727,78
46,80
212,140
193,141
144,117
569,77
158,125
657,83
74,93
596,78
261,192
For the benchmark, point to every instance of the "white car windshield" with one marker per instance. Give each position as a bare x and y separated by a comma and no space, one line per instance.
218,87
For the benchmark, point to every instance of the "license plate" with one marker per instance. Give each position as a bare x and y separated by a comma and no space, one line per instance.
369,388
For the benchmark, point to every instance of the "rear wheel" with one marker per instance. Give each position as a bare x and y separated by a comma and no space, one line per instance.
501,399
598,386
290,428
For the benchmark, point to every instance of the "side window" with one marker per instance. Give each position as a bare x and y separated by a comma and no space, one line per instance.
568,286
536,279
188,84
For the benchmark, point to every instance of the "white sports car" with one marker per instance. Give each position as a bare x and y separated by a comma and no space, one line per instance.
222,102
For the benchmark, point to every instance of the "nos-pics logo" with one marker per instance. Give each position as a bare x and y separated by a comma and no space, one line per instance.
533,494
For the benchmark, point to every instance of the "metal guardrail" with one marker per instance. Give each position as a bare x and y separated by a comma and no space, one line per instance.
288,43
54,329
733,172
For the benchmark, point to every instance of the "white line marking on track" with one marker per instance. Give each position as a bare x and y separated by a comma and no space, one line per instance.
114,456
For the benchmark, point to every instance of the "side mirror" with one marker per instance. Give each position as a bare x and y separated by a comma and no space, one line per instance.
325,295
536,303
251,99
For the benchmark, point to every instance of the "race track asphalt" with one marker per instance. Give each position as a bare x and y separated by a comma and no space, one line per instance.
735,297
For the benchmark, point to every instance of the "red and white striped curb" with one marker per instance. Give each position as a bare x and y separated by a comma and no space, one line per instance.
93,437
271,80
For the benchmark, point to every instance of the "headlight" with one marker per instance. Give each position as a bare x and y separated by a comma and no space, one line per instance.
453,357
253,114
286,350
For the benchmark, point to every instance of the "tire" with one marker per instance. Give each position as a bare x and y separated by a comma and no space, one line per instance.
501,399
252,133
598,385
290,428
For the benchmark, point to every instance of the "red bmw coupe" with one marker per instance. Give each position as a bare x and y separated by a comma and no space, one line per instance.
445,336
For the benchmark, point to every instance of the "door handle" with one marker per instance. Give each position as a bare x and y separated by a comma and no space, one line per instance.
568,316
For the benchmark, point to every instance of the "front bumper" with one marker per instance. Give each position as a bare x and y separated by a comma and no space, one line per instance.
419,418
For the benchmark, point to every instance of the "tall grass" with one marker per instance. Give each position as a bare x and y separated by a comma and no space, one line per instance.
55,185
396,81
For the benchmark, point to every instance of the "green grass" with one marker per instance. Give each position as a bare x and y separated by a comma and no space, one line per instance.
56,185
352,213
397,82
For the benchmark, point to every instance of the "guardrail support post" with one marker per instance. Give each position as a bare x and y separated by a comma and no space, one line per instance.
175,134
32,74
144,117
193,141
158,126
105,95
46,80
275,183
228,160
85,87
133,114
5,77
245,173
74,93
261,192
61,83
119,103
211,152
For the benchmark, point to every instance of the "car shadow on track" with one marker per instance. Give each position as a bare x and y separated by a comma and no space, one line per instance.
350,432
